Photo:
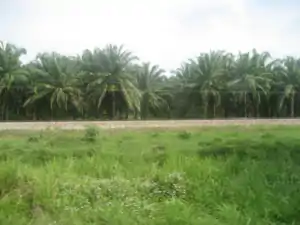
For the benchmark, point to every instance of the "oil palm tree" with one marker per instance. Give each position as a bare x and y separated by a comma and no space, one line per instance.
208,74
290,83
110,78
56,82
150,81
250,79
181,87
12,74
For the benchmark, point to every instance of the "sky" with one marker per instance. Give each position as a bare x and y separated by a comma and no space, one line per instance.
164,32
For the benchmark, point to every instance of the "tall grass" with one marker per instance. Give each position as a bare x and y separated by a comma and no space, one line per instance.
213,176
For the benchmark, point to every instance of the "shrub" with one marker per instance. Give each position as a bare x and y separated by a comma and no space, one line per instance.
91,134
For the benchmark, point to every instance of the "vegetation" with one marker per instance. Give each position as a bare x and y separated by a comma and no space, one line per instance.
111,83
170,177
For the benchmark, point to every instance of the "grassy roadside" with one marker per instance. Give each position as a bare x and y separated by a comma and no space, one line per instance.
212,176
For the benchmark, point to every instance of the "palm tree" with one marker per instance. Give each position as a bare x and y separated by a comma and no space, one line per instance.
56,82
12,74
290,83
110,78
250,79
208,70
180,86
150,81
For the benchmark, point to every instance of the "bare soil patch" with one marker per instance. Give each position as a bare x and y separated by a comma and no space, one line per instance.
168,124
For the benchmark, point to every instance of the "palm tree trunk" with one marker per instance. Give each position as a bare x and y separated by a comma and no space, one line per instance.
146,106
257,109
113,105
126,114
3,112
205,110
214,113
7,113
146,111
225,112
34,113
245,102
269,109
292,105
136,114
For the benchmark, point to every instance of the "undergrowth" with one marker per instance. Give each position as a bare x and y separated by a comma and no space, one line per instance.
216,176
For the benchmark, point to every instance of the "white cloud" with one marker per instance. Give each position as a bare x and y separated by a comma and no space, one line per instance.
162,31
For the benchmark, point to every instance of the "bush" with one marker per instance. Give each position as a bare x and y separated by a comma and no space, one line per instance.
91,134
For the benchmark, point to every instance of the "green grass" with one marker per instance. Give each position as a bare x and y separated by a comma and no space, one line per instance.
212,176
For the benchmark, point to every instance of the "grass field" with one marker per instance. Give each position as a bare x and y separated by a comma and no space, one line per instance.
210,176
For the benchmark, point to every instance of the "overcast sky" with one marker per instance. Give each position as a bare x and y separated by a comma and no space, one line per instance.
165,32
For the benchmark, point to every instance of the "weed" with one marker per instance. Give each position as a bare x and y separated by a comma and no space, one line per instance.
249,177
159,155
35,138
185,135
171,186
91,134
155,134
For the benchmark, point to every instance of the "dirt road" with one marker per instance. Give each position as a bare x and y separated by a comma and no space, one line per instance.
78,125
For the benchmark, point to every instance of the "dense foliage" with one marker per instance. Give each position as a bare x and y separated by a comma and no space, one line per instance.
111,83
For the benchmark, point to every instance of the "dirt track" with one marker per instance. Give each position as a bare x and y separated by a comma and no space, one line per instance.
78,125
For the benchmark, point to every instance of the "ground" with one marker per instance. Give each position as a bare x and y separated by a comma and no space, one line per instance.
80,125
210,175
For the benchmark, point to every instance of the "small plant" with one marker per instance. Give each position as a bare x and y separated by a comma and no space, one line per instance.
120,142
34,139
216,152
185,135
39,156
91,134
162,188
155,134
266,135
160,155
83,153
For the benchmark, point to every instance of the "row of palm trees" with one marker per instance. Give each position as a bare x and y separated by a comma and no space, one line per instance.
111,83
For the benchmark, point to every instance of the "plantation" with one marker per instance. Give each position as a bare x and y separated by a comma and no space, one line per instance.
212,176
112,83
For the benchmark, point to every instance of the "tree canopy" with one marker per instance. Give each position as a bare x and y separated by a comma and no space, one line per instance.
112,83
